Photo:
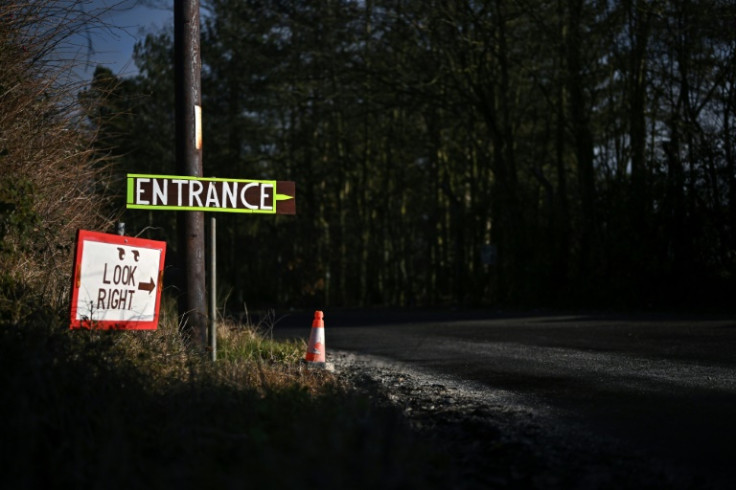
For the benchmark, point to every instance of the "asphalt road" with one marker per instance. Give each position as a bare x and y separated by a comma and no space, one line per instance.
660,385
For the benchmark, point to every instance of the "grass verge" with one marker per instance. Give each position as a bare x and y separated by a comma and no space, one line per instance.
94,409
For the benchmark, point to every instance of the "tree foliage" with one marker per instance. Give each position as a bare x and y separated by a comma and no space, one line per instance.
464,152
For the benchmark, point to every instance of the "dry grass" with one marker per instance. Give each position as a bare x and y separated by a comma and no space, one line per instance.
116,409
248,358
52,181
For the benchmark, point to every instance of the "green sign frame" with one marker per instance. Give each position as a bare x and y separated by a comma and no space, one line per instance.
185,193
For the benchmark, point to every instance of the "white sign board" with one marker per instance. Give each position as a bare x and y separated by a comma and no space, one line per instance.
117,282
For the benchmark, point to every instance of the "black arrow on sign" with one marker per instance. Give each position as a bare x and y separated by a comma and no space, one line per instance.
147,286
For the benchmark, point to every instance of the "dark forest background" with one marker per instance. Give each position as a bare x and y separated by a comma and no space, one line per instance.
461,152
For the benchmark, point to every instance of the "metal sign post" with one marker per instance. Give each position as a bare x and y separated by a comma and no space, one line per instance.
213,288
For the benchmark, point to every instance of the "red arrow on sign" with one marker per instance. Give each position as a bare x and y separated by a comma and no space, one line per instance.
147,286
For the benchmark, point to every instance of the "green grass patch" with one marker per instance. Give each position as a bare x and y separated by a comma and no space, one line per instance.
245,342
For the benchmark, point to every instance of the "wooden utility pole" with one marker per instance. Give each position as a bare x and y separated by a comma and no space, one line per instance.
191,249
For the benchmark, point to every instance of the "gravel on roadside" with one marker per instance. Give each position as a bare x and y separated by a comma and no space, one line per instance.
499,439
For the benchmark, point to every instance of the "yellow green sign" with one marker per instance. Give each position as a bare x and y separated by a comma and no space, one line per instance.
180,193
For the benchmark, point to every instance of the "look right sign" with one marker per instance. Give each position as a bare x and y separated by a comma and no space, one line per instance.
117,282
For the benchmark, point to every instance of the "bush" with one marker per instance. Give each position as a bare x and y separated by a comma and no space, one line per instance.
52,182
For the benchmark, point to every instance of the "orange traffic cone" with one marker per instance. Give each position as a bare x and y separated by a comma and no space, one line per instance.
316,347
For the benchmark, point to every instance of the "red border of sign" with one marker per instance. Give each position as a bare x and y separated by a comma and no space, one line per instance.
94,236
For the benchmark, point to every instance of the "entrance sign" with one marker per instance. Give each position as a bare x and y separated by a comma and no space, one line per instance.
167,192
117,282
